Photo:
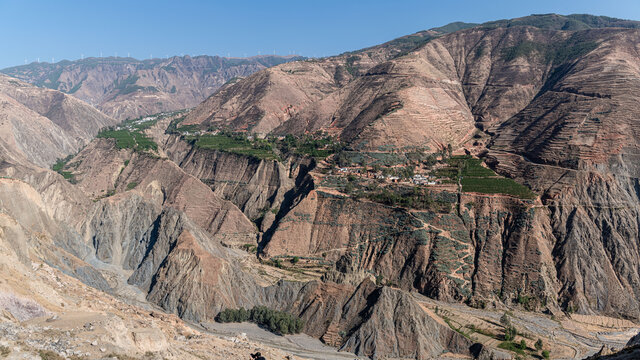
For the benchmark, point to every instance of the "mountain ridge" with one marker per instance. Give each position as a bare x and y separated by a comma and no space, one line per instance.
129,88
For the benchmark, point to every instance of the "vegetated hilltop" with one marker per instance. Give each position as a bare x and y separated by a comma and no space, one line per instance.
128,88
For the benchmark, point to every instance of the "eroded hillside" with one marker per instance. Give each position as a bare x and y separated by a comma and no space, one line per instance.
39,126
449,194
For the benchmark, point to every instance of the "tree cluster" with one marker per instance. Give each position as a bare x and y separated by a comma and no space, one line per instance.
414,198
279,322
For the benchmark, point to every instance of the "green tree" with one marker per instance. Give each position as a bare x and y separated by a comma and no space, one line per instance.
523,344
343,160
505,320
510,333
348,189
538,344
545,354
276,321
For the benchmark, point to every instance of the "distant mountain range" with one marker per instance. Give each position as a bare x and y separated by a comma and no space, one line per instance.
127,88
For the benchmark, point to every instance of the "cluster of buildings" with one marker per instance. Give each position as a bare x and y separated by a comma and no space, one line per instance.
417,179
420,179
140,121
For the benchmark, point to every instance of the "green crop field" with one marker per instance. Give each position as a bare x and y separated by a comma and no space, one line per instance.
247,144
59,168
496,185
126,139
236,145
476,178
473,167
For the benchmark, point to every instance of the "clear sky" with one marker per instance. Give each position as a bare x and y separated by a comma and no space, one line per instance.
68,29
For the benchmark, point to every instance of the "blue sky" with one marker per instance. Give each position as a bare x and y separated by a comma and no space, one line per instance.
64,29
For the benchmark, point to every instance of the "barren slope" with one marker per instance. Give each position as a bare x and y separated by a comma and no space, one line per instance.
43,125
128,88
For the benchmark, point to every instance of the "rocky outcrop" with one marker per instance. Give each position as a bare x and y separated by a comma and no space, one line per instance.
411,332
196,280
350,317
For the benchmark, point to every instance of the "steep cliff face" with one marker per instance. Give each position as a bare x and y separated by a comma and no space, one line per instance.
128,88
256,186
188,273
490,248
101,170
30,231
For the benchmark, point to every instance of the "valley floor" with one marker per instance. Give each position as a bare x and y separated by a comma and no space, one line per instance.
300,345
571,337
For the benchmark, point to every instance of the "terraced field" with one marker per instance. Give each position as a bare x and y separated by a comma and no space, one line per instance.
476,178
